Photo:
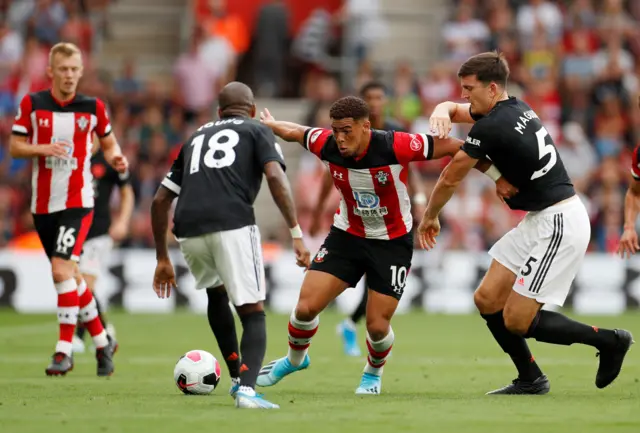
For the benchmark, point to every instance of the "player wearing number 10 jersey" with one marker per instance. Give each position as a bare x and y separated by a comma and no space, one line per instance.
216,177
371,232
536,262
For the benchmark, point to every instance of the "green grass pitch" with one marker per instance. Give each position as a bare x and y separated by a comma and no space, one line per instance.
435,381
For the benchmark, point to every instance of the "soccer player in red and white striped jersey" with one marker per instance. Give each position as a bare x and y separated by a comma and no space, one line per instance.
372,230
55,129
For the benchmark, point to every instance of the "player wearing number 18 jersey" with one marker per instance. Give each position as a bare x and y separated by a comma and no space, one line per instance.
536,262
371,232
55,129
216,177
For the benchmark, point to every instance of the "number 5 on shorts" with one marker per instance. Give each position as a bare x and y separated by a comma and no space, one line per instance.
527,267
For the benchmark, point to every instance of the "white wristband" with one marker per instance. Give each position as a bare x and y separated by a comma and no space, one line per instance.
493,173
420,199
296,232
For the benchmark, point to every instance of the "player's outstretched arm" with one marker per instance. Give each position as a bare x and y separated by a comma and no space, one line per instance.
447,113
282,196
629,241
288,131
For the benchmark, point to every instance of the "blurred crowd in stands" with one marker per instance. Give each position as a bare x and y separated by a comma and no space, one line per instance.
576,62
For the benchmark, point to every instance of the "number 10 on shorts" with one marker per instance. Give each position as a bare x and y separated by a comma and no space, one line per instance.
398,278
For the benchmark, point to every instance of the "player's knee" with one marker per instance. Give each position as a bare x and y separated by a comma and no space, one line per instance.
61,271
515,323
377,327
485,303
305,311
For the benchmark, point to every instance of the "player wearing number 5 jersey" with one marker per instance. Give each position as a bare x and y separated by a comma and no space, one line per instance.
371,232
536,262
55,129
216,177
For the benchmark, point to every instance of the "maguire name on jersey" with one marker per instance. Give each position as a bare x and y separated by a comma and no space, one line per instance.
514,139
374,201
218,173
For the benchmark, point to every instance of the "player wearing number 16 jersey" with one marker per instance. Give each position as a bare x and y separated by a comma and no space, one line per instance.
216,177
371,232
536,262
55,129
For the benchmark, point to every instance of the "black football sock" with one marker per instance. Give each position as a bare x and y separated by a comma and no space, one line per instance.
513,345
555,328
253,346
361,309
223,326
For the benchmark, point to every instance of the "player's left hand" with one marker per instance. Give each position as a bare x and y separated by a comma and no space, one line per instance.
628,243
120,163
504,189
118,231
164,279
427,232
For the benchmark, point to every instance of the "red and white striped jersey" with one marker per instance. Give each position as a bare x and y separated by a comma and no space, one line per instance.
374,203
57,183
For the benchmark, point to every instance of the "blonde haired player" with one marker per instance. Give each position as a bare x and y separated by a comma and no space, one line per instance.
54,128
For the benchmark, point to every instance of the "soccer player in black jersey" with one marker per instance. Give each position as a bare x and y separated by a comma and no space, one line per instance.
216,178
104,232
535,263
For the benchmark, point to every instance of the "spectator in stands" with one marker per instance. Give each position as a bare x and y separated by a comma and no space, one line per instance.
465,35
271,41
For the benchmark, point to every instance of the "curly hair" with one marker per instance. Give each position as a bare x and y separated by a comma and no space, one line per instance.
349,107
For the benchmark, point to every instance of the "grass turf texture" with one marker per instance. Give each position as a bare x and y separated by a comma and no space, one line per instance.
435,380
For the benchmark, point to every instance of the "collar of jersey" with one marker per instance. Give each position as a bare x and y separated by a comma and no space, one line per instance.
59,102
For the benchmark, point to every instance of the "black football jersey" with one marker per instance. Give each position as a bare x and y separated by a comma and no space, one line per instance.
218,173
512,136
105,178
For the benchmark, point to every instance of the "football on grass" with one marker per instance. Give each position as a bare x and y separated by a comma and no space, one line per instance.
197,372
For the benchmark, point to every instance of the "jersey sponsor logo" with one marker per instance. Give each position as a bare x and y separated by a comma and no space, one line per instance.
82,123
337,175
321,255
416,144
382,177
43,123
473,141
315,136
368,205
